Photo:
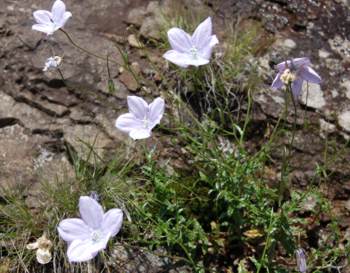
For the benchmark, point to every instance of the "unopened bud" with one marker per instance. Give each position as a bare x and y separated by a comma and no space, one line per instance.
301,260
95,195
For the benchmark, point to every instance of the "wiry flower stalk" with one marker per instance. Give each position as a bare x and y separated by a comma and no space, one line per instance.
70,39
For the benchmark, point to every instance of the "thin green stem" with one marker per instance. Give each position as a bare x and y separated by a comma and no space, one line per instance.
89,267
187,254
284,169
288,150
295,120
61,74
247,119
126,64
85,50
267,244
307,97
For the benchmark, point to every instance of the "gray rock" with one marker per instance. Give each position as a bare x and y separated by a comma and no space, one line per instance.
26,158
323,54
346,85
344,120
130,260
326,127
84,137
312,96
151,28
136,16
340,45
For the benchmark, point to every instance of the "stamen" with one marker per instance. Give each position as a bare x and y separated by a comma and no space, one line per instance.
288,76
96,236
194,52
145,122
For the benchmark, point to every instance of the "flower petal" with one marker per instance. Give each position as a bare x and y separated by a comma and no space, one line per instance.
301,61
197,61
58,10
214,40
310,75
48,29
84,250
128,122
156,111
179,40
297,62
297,86
277,83
205,52
140,134
65,17
42,16
32,246
138,107
176,58
112,221
72,229
183,59
90,211
201,37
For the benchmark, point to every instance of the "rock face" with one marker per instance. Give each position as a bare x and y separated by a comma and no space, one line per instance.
40,113
344,120
312,96
18,152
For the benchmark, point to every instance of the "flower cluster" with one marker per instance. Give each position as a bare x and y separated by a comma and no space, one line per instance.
88,235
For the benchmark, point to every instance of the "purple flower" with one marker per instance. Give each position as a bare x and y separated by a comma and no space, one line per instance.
295,72
301,260
142,118
191,50
90,234
48,22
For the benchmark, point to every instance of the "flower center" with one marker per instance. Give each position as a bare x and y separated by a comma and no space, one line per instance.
145,122
96,236
194,52
288,76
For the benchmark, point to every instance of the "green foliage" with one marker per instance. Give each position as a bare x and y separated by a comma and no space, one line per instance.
218,211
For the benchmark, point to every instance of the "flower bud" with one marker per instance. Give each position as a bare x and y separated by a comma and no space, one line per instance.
301,260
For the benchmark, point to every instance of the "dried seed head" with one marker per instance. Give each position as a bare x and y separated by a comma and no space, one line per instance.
41,243
44,242
43,256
